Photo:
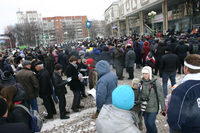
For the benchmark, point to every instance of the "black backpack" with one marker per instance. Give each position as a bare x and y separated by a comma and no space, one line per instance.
195,48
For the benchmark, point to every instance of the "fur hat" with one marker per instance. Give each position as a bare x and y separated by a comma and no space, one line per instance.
123,97
135,81
147,69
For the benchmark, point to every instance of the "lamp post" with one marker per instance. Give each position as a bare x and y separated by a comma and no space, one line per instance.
66,36
152,15
52,36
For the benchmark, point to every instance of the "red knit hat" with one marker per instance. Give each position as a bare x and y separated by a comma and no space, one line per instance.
89,61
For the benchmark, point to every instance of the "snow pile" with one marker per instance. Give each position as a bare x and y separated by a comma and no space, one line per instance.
78,122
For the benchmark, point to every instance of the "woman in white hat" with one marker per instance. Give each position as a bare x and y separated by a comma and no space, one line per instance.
150,95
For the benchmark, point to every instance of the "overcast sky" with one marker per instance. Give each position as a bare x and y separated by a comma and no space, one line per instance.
93,9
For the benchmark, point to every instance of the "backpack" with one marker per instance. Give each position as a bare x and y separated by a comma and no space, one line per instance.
195,48
150,60
36,122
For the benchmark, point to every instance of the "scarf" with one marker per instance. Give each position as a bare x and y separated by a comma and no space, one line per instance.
190,76
75,65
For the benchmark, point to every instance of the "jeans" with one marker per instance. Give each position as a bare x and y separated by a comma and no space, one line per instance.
33,104
149,120
83,88
165,81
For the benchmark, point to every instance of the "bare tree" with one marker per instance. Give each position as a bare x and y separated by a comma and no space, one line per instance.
108,30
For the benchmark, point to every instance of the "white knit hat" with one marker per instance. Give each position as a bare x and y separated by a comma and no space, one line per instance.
147,69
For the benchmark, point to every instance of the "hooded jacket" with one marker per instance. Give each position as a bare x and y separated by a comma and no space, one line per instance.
105,55
146,50
191,46
152,106
19,115
7,67
159,52
106,84
115,120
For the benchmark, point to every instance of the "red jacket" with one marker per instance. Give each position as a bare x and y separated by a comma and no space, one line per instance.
146,48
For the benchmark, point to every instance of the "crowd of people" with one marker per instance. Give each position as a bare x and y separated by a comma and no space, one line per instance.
26,74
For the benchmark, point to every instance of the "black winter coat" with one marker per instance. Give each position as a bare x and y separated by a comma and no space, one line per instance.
119,58
49,65
75,84
82,66
44,83
61,60
159,52
181,50
172,46
59,84
18,114
105,55
168,63
17,85
6,127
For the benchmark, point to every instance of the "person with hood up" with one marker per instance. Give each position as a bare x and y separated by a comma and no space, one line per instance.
106,84
62,61
14,97
181,51
151,94
146,49
105,55
7,66
130,61
95,53
116,117
5,125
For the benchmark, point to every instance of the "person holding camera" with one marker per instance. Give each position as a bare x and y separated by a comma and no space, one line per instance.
150,95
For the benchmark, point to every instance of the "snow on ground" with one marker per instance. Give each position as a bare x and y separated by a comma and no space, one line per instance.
78,122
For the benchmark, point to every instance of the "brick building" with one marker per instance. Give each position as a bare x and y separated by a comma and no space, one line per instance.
55,28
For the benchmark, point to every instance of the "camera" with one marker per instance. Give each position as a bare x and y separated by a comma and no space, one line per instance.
143,105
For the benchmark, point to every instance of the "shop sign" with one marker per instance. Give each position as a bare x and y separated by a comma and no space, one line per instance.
158,18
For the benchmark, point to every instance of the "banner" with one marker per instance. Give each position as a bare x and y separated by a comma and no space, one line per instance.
169,15
158,18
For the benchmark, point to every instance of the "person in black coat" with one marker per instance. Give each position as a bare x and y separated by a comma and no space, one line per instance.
5,126
172,45
60,90
62,61
45,89
82,68
159,52
181,51
15,96
105,55
137,50
75,84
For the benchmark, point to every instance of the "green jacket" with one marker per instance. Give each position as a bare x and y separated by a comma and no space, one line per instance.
152,105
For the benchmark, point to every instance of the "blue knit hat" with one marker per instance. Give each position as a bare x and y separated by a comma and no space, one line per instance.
123,97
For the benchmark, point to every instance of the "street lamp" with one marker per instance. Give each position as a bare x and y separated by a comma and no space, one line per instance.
66,35
152,15
52,36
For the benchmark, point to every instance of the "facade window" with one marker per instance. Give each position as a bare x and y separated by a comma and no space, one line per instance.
49,20
56,19
56,23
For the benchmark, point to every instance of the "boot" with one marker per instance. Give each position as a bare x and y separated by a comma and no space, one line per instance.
95,115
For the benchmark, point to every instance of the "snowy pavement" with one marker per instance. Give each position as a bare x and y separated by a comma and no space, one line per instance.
82,122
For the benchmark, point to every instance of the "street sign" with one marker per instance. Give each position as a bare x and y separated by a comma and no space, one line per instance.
88,24
44,36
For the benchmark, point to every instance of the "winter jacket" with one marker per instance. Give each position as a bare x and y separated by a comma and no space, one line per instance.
59,84
75,84
7,127
29,82
138,55
10,82
95,54
105,55
93,78
119,57
172,46
184,107
95,50
146,50
136,107
160,51
112,51
74,53
181,50
7,67
44,83
130,58
49,65
152,105
55,56
82,66
62,61
106,84
18,114
168,63
114,120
